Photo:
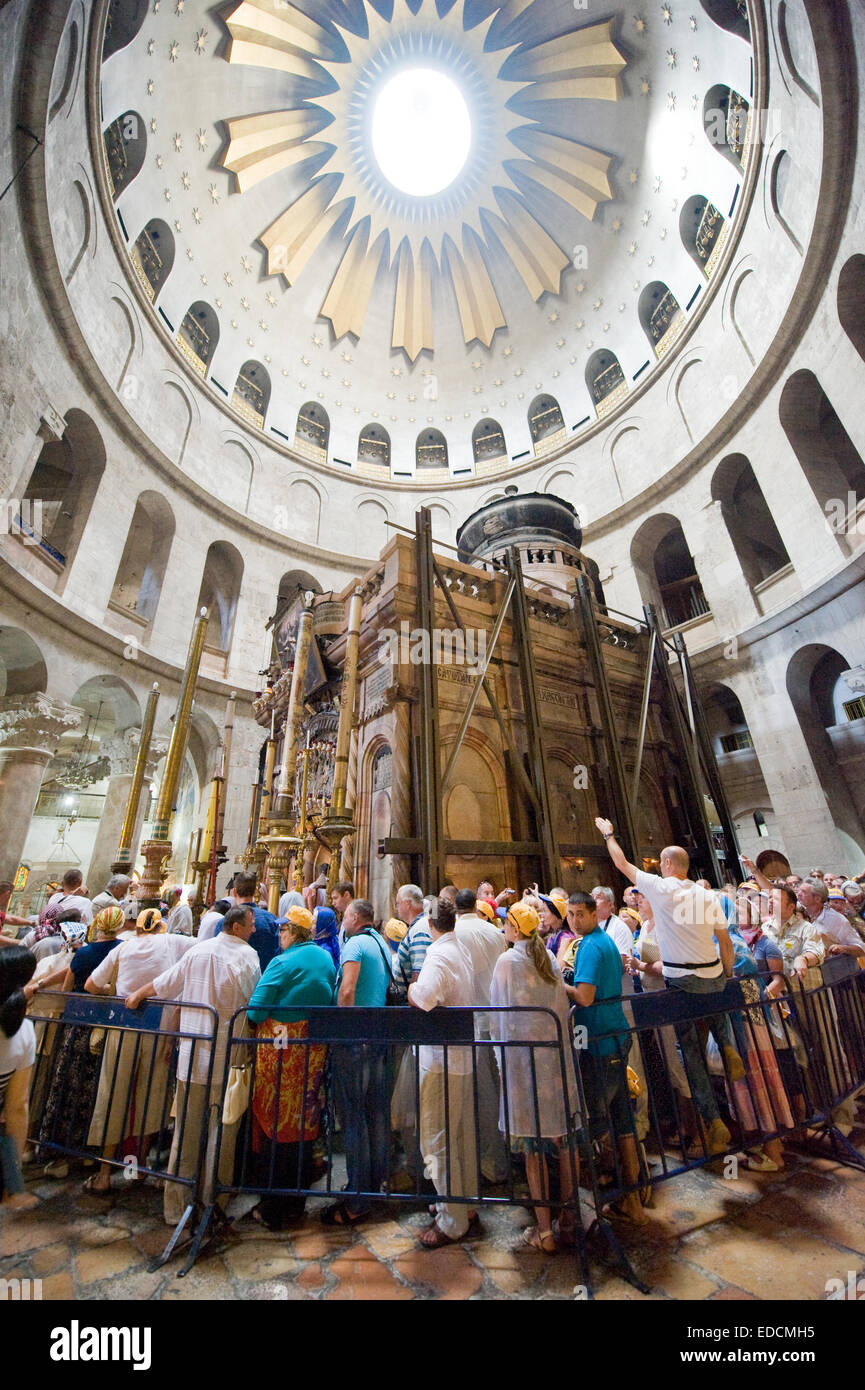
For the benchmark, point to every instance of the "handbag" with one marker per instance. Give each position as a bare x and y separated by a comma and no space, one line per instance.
394,996
237,1093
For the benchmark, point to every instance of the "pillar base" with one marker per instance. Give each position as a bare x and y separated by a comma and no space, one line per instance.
156,855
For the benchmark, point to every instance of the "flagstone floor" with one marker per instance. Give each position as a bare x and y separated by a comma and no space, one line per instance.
772,1236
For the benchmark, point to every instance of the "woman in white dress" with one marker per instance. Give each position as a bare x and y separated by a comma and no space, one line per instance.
528,976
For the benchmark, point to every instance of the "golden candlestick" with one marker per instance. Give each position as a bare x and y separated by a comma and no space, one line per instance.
123,862
348,695
293,717
157,850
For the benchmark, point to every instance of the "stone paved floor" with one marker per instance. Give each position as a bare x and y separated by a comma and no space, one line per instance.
776,1236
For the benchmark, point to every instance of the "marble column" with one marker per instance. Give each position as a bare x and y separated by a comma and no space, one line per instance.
30,730
400,792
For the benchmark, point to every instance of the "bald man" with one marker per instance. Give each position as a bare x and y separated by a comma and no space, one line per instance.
689,920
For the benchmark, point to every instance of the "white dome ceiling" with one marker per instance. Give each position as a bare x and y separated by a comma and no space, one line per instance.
588,141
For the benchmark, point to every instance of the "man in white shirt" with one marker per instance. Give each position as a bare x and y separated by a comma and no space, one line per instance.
447,1143
839,938
688,921
116,892
221,973
71,895
211,919
484,943
179,918
610,922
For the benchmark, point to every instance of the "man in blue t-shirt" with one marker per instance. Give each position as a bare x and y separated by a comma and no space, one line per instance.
265,939
359,1069
602,1029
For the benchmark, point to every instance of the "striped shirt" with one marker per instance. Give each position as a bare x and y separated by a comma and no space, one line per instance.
412,950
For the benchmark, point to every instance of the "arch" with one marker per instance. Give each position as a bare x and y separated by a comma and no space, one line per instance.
798,54
372,529
69,64
198,335
488,441
626,456
731,15
813,674
153,256
728,727
430,450
80,224
441,521
658,310
304,509
138,582
294,582
126,340
125,141
545,418
373,446
825,451
219,594
177,410
688,372
666,570
312,431
560,484
604,376
251,395
725,122
23,670
700,227
110,704
739,300
123,23
780,194
241,473
756,539
63,485
851,301
378,782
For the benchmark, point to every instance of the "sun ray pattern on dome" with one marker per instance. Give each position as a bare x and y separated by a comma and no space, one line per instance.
513,162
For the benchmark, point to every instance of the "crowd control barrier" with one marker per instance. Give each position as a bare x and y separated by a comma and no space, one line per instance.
125,1088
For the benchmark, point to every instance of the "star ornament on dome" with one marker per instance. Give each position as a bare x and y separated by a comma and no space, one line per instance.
513,163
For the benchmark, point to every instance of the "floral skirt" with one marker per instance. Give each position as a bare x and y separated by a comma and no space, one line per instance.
71,1093
288,1093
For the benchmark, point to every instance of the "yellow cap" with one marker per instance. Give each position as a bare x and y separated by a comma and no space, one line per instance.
299,917
394,929
483,909
524,917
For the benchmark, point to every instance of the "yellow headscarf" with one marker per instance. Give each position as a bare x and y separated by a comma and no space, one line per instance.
109,922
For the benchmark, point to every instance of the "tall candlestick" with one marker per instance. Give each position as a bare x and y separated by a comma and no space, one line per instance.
224,766
123,862
294,714
157,850
348,695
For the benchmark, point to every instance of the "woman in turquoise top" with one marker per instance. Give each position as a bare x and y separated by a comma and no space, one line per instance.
288,1088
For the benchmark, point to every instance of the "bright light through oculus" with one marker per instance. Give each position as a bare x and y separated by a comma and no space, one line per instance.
421,131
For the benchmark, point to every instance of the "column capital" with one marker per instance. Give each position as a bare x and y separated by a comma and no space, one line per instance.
855,678
35,721
122,749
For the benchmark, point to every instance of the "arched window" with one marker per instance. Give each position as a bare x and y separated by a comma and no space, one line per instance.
605,380
62,488
488,441
138,583
198,335
823,447
431,450
725,718
725,121
373,446
756,538
122,24
666,571
851,302
125,147
660,314
546,422
153,256
312,432
252,393
729,14
219,593
700,227
819,694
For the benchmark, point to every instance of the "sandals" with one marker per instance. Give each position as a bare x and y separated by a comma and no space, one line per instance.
537,1239
89,1185
433,1238
338,1214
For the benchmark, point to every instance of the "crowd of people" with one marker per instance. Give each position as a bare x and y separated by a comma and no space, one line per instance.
547,967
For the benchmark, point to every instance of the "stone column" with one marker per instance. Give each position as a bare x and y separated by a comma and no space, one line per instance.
727,591
120,750
30,730
346,864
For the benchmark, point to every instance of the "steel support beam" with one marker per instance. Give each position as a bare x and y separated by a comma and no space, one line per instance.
551,866
622,815
429,741
706,754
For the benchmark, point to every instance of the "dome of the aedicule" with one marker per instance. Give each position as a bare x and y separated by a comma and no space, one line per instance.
269,168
